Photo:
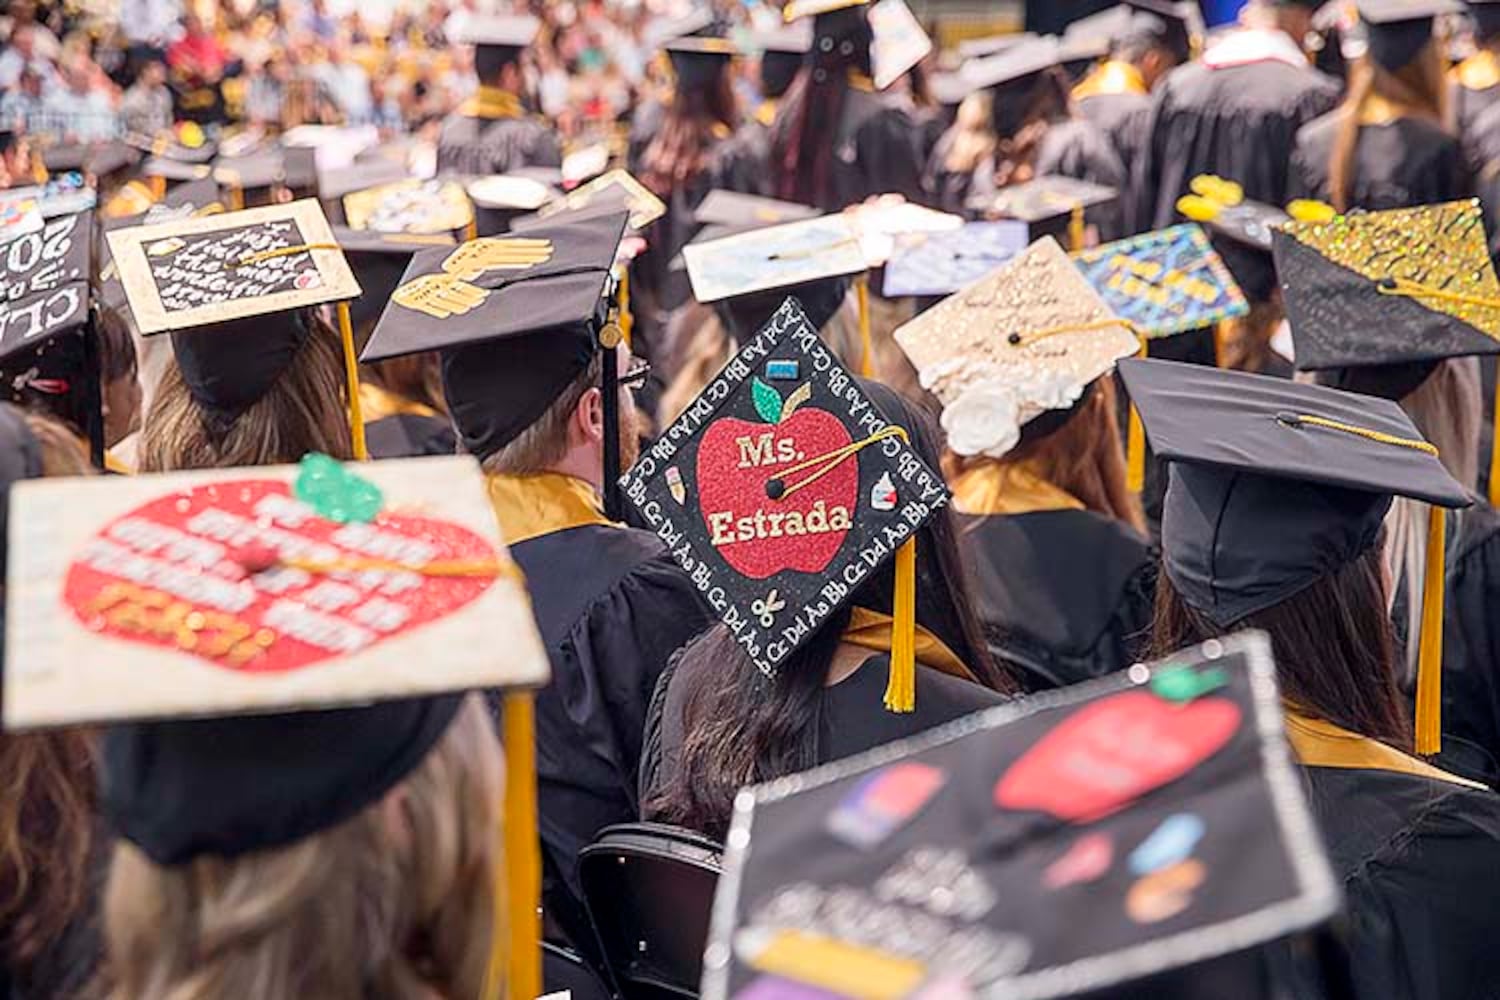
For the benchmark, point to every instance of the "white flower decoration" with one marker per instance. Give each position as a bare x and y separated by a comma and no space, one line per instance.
1050,389
984,420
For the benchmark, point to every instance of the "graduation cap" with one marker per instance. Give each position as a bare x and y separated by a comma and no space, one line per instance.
1050,205
230,272
499,200
249,636
882,220
699,59
294,169
664,29
360,175
98,159
1013,64
950,89
751,273
978,48
1240,229
516,319
781,489
1025,340
1167,23
505,36
410,206
783,48
1273,485
1486,17
610,193
1041,849
1164,282
1397,30
899,41
378,261
1390,288
743,212
175,171
940,263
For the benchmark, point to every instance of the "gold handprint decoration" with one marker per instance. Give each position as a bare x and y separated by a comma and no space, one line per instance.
439,295
475,257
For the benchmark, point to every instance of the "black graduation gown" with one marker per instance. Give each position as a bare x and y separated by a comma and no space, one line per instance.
1420,863
612,607
1073,148
1239,122
1124,118
1482,144
478,147
410,435
1404,162
877,149
1471,646
1042,614
1472,93
851,716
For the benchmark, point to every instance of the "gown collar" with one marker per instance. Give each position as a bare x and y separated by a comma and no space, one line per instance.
1113,76
872,630
1253,45
493,103
542,504
1481,71
377,403
1322,744
1008,488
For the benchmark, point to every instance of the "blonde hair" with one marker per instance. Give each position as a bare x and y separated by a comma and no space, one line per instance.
1420,87
1448,409
303,411
398,902
63,454
974,138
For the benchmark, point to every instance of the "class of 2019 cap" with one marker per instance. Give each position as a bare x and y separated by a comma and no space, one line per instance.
781,489
44,283
1273,485
1114,838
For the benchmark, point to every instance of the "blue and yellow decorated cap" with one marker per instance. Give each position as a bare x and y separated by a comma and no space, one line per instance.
1164,282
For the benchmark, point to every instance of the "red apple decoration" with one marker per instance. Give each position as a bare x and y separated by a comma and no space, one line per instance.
1106,755
109,595
760,535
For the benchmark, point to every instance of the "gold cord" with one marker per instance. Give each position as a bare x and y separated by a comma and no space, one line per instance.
1299,419
256,258
835,458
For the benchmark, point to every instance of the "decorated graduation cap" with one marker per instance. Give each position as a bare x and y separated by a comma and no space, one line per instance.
1143,835
410,206
895,37
1274,485
47,340
1164,282
234,625
1397,30
610,193
1240,228
1051,205
751,273
1377,299
516,319
174,171
226,273
1025,340
782,489
941,263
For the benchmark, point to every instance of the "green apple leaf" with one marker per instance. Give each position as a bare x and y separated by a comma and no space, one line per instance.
767,401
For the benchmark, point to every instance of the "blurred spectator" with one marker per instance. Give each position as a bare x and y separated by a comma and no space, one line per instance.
15,159
197,61
24,52
21,105
149,26
147,105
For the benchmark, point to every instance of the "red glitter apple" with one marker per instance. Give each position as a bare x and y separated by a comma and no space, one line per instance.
740,467
1105,756
108,593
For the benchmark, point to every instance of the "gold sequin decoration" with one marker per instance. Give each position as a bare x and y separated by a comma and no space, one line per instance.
967,338
1439,246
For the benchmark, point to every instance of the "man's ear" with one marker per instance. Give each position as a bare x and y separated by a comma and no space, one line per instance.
588,417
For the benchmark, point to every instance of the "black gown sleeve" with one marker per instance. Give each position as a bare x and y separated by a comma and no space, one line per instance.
889,145
1471,649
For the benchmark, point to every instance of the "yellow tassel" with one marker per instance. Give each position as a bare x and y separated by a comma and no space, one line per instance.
1430,653
236,198
1221,334
471,231
867,345
158,187
901,689
1076,229
1495,454
351,379
627,319
515,966
1135,444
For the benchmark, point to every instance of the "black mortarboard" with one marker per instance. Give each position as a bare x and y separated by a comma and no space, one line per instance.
100,159
265,673
174,170
242,276
1014,63
293,168
1274,485
1397,30
507,36
1356,296
516,319
698,60
1144,835
1486,16
782,51
44,284
750,272
1164,22
978,48
1049,205
1240,230
358,176
782,488
742,212
379,260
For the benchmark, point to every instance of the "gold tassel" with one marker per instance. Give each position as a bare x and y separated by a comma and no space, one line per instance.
236,198
1495,453
901,689
1135,443
867,345
351,380
471,231
1077,229
1430,653
627,319
515,965
158,187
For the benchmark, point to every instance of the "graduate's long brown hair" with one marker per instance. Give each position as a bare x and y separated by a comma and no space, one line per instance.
741,728
1334,646
697,118
1419,88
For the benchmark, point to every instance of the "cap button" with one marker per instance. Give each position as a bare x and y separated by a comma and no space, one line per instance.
1388,283
1014,339
1288,419
775,489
